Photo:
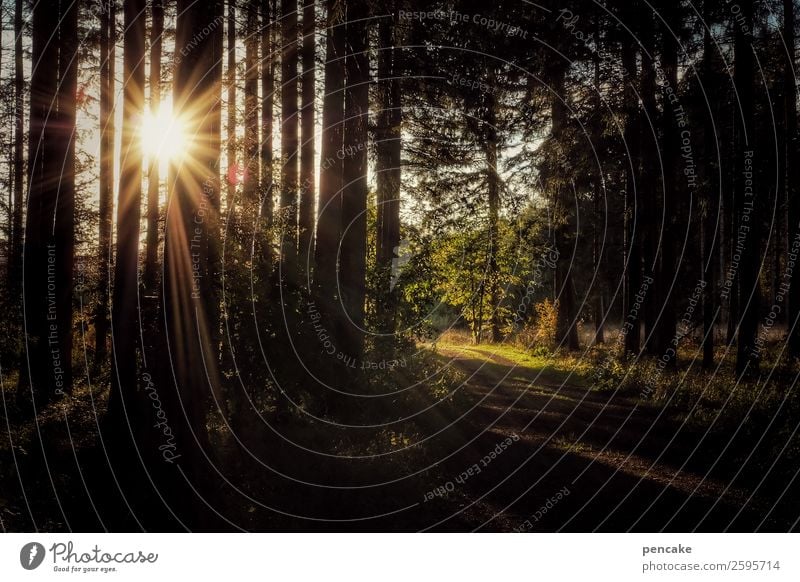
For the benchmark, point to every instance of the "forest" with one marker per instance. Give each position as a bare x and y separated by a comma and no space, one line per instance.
445,265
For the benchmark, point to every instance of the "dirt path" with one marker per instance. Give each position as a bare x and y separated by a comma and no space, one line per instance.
577,460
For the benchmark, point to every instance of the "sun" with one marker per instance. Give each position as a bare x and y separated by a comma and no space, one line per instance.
163,136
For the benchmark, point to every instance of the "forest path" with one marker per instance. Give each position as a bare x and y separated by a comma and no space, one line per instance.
584,459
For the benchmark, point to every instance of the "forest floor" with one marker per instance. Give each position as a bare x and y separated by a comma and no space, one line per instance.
585,460
520,443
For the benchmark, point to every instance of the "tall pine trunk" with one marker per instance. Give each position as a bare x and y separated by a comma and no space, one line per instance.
329,215
289,139
268,57
388,144
123,400
19,165
250,187
567,331
352,269
108,40
747,197
792,160
667,279
633,277
192,244
307,147
154,179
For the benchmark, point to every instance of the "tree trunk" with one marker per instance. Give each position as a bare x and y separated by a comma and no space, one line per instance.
230,153
64,223
567,332
598,311
154,179
250,187
748,353
289,140
633,278
792,160
666,326
307,147
108,41
329,217
124,405
15,262
268,57
388,144
649,182
191,245
709,218
352,272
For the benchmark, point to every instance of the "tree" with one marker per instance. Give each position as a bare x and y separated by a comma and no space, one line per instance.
108,41
250,187
154,179
388,144
307,147
231,121
289,140
267,101
567,332
746,201
49,241
15,262
792,160
631,134
124,314
329,217
190,300
353,248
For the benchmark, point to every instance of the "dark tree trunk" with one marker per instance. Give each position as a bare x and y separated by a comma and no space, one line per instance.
191,247
352,272
792,160
329,216
34,365
154,179
567,331
598,311
666,326
388,144
648,156
64,223
250,187
747,205
268,57
307,147
289,139
124,404
710,216
230,152
15,263
633,278
108,39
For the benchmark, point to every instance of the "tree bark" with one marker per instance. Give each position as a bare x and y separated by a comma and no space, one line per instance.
353,250
747,203
329,215
19,165
307,147
124,405
633,278
289,139
792,160
388,144
154,178
108,41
